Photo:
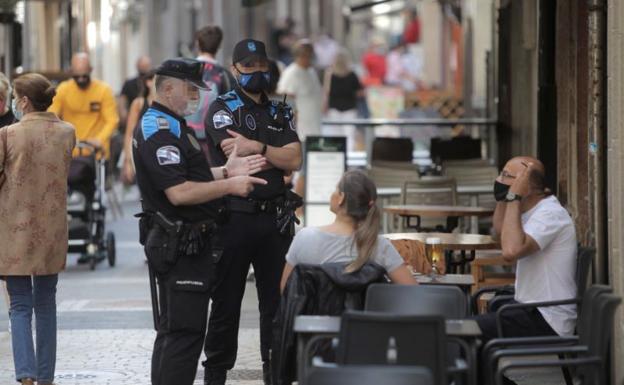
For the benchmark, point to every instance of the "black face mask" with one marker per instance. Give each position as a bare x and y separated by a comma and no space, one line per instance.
82,81
500,191
255,82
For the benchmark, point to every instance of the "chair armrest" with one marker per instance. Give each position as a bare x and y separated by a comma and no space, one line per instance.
504,308
493,359
474,299
499,343
499,298
574,362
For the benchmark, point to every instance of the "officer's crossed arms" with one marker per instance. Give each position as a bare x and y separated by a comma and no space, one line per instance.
240,184
287,158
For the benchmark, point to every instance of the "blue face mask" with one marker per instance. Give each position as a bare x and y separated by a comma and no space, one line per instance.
255,82
18,114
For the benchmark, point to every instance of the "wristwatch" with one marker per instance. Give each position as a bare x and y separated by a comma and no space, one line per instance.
264,149
510,197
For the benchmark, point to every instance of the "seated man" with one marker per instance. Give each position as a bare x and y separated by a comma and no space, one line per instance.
538,234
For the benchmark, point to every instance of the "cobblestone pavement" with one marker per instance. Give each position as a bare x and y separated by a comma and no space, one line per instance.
105,323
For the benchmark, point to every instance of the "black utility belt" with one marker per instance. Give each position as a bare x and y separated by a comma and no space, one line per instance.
253,206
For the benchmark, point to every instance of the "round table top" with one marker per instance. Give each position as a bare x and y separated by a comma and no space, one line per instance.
451,240
438,211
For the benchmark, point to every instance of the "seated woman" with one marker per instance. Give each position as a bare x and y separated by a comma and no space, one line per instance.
353,237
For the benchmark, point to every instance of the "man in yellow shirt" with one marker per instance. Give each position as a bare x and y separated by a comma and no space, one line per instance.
88,104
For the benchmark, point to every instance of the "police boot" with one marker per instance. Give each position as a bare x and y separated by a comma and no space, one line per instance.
266,372
215,376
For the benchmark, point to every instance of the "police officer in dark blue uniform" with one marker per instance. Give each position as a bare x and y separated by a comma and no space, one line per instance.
181,197
259,228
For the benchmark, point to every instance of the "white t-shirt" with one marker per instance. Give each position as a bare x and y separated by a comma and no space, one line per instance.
314,246
304,84
549,274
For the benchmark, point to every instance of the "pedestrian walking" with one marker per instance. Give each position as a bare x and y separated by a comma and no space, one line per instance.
35,154
88,104
181,195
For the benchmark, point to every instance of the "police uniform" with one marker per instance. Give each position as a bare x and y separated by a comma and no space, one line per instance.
250,235
166,154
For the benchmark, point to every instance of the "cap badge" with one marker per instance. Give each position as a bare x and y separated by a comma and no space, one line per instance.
252,46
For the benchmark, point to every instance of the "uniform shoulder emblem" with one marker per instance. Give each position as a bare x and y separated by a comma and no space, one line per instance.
232,101
154,121
168,155
222,119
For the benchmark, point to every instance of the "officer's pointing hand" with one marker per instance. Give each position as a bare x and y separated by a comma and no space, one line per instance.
245,146
248,165
242,186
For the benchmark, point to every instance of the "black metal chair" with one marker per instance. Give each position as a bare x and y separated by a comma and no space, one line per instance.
585,256
583,326
370,375
423,300
368,338
588,356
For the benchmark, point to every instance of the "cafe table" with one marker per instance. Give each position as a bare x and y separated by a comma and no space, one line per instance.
310,327
386,194
451,213
466,244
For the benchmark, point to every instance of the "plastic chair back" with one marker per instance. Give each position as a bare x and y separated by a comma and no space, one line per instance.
393,149
603,317
446,301
584,258
370,375
379,339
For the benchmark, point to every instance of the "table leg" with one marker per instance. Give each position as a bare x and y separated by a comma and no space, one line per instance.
474,221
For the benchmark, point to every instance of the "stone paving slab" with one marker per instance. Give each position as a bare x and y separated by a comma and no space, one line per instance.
122,357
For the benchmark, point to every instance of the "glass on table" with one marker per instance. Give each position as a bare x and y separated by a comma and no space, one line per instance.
434,252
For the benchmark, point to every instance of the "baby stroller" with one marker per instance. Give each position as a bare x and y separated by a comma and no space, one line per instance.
86,209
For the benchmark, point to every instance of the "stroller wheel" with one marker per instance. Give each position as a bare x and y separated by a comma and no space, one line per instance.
110,248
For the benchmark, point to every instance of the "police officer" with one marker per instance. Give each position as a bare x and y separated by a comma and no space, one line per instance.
257,232
180,196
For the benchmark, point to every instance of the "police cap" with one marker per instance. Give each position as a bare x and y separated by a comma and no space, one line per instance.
183,68
249,48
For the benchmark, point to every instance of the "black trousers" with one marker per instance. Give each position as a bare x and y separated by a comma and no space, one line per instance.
248,239
515,323
184,296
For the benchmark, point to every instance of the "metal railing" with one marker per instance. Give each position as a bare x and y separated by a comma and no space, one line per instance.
369,126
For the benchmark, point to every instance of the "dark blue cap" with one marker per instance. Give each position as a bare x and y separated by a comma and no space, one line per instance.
248,48
185,69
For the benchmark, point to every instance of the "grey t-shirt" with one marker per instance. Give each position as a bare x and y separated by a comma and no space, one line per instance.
314,246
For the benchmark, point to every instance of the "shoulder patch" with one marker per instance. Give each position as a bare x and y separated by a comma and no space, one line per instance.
154,120
222,119
167,155
232,100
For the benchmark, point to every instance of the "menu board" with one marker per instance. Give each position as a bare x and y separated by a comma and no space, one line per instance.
325,162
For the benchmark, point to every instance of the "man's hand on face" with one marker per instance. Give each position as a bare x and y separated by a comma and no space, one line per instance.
243,145
522,185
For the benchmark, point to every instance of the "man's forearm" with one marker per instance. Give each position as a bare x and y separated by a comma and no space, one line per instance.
497,219
512,234
284,158
194,193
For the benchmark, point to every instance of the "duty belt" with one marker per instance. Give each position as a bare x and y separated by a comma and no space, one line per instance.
252,206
